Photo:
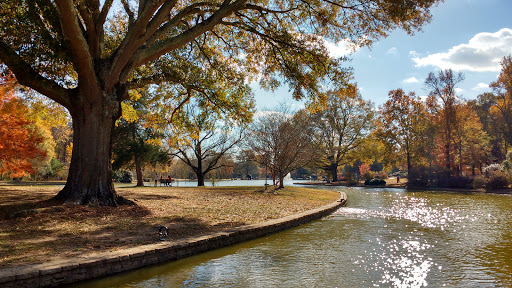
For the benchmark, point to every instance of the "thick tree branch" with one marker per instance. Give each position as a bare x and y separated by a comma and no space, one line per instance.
73,35
90,25
133,40
29,77
182,155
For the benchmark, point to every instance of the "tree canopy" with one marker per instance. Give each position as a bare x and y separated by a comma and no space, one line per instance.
402,124
341,127
86,55
282,142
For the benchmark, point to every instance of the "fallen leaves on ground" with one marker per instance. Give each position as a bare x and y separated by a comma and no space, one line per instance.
47,234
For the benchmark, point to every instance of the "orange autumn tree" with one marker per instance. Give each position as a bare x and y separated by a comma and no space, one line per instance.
363,169
19,141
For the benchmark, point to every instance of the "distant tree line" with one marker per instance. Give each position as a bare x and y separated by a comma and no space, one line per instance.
445,140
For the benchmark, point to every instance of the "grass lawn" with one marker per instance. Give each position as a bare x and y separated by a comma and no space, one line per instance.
44,231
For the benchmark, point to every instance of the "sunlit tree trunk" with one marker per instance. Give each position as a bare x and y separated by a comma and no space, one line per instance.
90,171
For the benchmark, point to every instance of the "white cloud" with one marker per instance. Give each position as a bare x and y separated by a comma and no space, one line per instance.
459,90
414,54
481,86
392,51
481,54
341,49
411,80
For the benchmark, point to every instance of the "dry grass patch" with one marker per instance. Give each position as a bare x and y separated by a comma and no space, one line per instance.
49,231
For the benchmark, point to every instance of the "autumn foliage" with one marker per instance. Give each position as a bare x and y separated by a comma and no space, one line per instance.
18,138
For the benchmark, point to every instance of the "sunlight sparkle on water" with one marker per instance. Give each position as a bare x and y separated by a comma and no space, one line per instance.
413,209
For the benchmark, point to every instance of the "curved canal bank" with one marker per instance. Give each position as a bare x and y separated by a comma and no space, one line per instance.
69,271
382,238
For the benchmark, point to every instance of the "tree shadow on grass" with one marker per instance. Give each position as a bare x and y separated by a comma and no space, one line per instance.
15,210
27,242
76,229
154,197
34,183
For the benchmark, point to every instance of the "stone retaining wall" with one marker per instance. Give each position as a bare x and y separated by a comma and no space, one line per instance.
104,264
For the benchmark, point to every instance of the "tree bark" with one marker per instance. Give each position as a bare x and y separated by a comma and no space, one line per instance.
90,172
138,172
200,179
334,171
448,139
408,161
447,156
281,181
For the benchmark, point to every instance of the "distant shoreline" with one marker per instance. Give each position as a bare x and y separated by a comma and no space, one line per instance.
411,189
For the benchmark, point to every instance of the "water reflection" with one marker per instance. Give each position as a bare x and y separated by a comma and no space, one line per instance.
381,239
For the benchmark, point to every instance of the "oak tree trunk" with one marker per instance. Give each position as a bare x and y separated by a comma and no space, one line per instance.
90,172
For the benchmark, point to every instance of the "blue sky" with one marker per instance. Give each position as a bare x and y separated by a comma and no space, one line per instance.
470,36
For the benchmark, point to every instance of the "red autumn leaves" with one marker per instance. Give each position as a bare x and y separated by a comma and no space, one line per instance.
19,141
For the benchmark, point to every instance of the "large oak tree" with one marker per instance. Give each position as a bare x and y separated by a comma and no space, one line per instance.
86,56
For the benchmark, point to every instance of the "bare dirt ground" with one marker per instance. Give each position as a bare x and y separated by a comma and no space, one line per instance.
34,229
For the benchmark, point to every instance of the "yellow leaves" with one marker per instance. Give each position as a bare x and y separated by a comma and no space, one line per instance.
129,113
134,94
154,142
69,151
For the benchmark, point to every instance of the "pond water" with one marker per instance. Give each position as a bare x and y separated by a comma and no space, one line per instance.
382,238
258,182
